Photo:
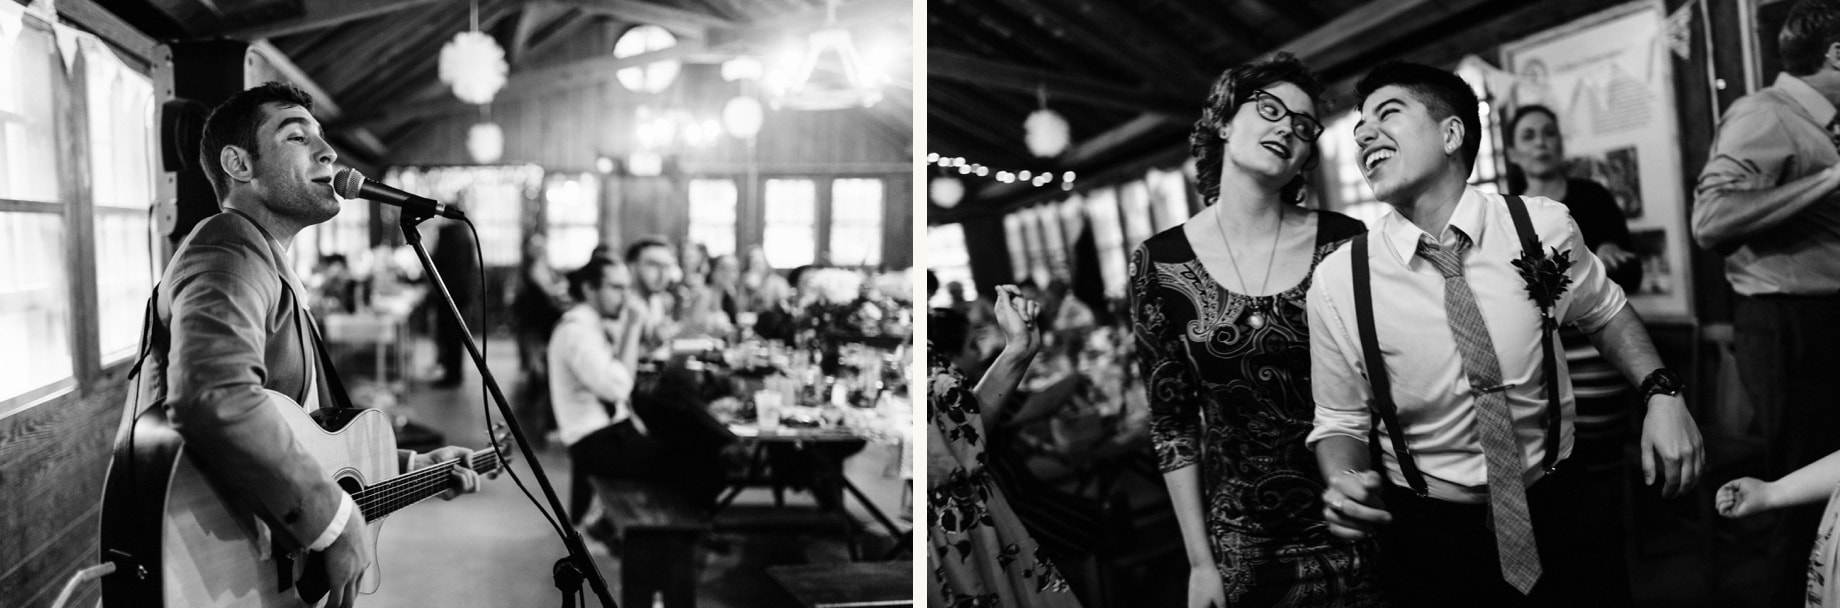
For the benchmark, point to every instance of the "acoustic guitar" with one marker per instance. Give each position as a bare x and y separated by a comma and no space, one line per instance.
179,541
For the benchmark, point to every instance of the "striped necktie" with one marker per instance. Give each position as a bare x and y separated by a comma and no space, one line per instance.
1514,544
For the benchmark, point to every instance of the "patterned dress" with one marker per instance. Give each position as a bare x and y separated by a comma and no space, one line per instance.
1236,400
978,551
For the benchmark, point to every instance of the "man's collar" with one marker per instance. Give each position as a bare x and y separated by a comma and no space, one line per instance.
1467,218
1804,94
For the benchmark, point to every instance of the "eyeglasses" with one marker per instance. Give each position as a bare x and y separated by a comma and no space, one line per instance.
1270,108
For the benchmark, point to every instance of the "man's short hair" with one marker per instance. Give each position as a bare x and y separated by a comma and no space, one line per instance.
644,243
590,277
1443,93
1811,28
235,122
947,330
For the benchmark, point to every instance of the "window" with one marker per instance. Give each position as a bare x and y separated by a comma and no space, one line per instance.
856,222
1134,202
1018,247
496,206
1108,238
1053,245
712,215
574,205
122,140
1168,197
1488,173
947,258
1348,191
790,238
35,294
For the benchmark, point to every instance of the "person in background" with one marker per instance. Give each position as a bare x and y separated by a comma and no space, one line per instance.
652,263
1766,203
977,549
1536,151
541,297
336,290
1807,486
1223,349
456,257
725,281
593,359
762,289
693,259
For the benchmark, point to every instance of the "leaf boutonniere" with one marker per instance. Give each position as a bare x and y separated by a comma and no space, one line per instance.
1545,275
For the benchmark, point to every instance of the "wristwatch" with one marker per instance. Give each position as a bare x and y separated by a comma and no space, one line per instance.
1662,381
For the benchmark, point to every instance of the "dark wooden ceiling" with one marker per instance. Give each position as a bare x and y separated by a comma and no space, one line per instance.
375,61
1130,76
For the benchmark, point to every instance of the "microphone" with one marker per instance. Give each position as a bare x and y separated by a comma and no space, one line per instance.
349,183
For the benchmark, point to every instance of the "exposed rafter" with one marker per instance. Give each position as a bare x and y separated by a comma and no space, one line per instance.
325,105
683,23
992,74
320,14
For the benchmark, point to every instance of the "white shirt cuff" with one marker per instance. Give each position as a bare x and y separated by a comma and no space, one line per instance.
337,526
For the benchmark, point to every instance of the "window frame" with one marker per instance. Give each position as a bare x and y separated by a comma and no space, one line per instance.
77,209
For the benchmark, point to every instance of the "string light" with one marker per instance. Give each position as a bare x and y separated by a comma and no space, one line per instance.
1038,179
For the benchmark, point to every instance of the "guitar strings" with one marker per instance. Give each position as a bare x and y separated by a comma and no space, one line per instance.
394,493
406,490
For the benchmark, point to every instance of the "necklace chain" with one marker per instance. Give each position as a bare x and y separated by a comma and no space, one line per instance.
1265,282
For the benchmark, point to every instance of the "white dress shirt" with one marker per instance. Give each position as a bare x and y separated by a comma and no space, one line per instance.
1435,401
585,370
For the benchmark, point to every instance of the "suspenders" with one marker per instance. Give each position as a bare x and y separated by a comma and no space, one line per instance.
1382,407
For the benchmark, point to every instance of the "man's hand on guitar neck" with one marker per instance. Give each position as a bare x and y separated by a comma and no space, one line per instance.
465,480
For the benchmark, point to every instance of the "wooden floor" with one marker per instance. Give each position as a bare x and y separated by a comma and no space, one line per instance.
493,549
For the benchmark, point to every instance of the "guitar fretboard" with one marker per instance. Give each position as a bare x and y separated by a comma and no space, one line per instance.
379,500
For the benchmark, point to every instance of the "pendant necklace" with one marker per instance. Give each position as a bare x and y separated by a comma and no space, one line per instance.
1256,318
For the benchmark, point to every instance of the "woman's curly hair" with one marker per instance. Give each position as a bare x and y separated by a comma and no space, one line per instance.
1233,88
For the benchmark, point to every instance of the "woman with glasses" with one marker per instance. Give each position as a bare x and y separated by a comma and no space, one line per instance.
1218,310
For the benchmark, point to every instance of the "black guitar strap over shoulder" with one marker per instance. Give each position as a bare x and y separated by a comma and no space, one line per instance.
1386,412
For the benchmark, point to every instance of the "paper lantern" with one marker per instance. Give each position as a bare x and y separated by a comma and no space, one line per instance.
1047,134
945,192
485,142
742,116
474,65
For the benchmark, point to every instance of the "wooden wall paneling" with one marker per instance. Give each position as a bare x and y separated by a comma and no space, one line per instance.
898,221
56,453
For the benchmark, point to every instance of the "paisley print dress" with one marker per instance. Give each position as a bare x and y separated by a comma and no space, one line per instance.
1235,400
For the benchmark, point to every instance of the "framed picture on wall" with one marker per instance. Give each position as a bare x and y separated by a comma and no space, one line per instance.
1608,77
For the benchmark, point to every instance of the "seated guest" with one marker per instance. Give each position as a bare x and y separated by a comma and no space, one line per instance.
614,427
652,263
593,355
762,289
725,281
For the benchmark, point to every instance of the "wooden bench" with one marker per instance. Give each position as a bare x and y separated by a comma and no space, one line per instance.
659,532
853,585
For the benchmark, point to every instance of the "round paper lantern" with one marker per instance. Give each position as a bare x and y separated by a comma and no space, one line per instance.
945,192
474,65
485,142
742,116
1046,133
652,77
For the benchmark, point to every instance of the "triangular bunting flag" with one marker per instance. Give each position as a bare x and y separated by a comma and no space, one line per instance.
1679,30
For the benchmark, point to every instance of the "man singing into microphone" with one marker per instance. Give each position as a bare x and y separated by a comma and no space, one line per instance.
239,325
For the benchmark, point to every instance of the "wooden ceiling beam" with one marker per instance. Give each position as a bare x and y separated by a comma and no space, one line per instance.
1141,59
1132,30
991,74
1240,40
1353,36
325,106
604,67
1050,50
548,36
319,14
683,23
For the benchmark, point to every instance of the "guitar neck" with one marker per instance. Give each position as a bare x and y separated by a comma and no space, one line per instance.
379,500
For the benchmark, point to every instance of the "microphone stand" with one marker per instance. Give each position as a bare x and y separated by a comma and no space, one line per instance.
577,565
